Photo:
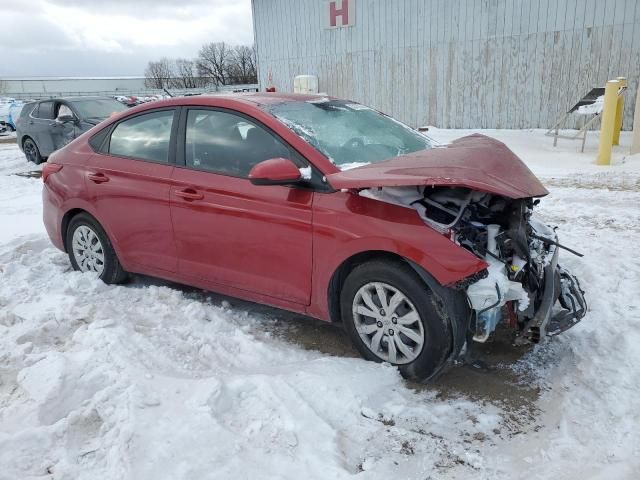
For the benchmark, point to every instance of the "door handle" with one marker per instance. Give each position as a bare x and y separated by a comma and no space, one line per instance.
98,177
189,194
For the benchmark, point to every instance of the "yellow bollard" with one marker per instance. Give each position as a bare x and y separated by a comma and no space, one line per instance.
608,122
619,113
635,143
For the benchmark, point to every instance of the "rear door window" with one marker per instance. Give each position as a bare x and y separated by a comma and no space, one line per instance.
44,110
144,137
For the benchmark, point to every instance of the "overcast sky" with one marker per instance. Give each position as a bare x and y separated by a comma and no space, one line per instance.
112,37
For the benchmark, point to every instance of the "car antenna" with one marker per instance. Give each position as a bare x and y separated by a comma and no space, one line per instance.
168,92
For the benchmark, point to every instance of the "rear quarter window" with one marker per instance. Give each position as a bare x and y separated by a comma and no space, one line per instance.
27,109
36,110
98,141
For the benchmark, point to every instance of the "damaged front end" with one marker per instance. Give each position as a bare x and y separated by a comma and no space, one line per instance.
523,286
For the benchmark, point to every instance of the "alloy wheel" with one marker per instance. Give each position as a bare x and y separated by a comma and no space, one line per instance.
388,323
30,151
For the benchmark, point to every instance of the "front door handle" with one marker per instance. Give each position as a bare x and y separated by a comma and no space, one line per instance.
98,177
189,194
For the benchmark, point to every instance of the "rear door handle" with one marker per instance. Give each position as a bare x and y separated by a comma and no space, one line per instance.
189,194
98,177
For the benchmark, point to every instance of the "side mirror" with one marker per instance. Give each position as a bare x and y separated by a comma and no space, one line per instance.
66,119
275,171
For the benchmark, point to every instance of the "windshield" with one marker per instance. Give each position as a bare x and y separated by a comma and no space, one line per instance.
97,108
347,133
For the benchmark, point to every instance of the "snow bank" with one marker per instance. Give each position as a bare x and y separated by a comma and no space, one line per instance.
145,381
13,161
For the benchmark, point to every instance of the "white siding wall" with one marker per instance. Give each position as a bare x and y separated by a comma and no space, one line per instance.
456,63
70,85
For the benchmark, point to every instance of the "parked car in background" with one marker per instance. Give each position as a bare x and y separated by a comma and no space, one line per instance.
47,125
321,206
9,112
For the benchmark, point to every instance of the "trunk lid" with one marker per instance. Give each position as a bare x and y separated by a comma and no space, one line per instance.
476,162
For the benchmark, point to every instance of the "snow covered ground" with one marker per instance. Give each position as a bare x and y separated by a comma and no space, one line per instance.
152,381
7,136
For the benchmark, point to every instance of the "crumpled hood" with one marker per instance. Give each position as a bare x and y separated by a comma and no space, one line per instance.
476,162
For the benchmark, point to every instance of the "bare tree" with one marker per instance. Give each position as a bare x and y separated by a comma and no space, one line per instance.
186,75
217,63
213,62
3,86
159,74
242,64
253,63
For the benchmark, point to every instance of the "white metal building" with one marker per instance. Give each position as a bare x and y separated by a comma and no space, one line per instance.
58,86
51,87
453,63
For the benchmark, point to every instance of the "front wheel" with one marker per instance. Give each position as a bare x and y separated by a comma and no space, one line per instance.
90,250
391,316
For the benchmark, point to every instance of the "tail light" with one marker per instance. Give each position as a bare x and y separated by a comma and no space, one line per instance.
49,169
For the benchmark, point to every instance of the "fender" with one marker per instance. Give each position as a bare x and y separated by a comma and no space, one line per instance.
452,305
346,224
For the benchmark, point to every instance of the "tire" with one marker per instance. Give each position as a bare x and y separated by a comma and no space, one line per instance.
31,151
421,362
104,260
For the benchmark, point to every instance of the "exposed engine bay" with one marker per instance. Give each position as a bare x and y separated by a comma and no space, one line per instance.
523,284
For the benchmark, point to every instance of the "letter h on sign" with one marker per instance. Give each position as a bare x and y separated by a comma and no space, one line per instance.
340,13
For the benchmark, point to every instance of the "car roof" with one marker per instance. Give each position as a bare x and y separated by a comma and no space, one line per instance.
253,99
268,98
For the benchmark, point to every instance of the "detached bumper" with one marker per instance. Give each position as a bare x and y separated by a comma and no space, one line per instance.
561,287
574,305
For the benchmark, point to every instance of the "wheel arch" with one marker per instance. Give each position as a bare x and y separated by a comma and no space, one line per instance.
71,210
24,138
452,304
66,220
113,271
340,274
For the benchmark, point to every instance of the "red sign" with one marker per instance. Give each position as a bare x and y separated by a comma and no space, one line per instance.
340,13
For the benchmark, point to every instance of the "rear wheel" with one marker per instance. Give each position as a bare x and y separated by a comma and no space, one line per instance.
391,317
31,151
90,250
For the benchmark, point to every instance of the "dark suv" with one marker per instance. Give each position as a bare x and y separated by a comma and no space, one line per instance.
47,125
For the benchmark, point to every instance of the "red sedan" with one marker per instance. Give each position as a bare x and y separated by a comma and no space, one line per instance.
320,206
